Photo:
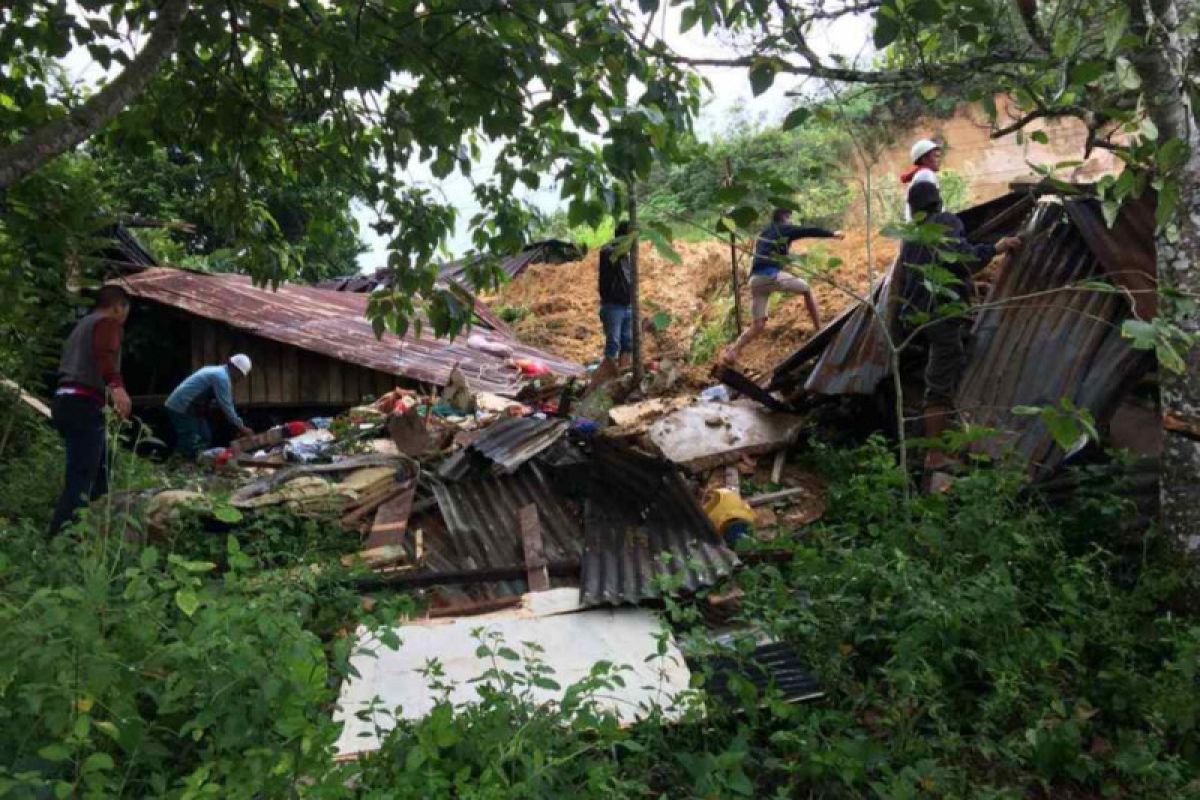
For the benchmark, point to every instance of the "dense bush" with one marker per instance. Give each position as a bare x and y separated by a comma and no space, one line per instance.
977,644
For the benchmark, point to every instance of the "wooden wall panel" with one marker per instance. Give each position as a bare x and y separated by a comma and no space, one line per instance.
284,375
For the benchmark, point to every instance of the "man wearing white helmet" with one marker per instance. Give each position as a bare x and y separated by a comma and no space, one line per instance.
189,404
926,161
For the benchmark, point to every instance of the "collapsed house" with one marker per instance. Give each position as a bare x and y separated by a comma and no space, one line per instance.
311,347
1048,329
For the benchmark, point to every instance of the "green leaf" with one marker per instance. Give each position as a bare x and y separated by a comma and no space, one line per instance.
1149,130
734,193
227,513
1127,77
1040,137
1168,201
744,216
762,75
98,762
187,601
887,26
1087,72
55,753
796,117
1143,335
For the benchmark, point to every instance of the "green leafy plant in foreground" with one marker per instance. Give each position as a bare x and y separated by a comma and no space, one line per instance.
976,644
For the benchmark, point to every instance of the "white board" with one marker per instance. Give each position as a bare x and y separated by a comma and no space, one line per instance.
571,644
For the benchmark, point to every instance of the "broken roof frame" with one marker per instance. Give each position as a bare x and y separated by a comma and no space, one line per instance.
1037,305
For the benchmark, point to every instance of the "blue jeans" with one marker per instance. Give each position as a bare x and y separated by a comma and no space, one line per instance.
80,422
618,329
192,433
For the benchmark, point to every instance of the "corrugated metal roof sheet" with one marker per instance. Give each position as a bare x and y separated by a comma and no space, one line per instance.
1063,342
482,529
644,529
854,354
333,324
506,445
1039,340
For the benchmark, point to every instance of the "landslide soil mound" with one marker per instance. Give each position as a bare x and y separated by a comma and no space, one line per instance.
559,303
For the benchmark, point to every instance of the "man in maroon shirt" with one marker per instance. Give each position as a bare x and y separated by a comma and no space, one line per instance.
90,366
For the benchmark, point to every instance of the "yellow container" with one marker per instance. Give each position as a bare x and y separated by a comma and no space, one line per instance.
725,506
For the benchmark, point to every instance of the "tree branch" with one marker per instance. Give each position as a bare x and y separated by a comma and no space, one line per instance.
56,137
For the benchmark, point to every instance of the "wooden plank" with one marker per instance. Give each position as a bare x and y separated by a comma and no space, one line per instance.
391,520
536,573
26,398
258,373
320,365
210,344
241,389
289,375
334,370
309,388
197,344
274,372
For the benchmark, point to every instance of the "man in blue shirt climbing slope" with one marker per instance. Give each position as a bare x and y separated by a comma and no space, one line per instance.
768,275
188,405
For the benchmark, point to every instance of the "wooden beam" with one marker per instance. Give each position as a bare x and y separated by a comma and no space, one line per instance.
535,554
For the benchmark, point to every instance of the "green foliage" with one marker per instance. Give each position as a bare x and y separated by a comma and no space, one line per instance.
809,158
977,643
280,112
512,314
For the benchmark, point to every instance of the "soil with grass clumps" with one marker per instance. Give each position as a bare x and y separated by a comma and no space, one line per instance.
692,301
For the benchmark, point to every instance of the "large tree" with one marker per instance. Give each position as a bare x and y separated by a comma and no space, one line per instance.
354,92
1126,68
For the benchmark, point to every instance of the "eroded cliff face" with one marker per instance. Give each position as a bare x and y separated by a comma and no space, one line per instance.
990,165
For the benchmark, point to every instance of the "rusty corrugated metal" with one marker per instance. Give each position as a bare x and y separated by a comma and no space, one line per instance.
854,354
505,446
1040,338
644,528
481,528
333,324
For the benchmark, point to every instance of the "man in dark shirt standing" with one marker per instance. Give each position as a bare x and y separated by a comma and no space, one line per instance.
616,303
91,364
937,314
767,275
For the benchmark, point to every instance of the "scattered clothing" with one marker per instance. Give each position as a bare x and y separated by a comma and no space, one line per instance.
618,329
80,421
763,286
773,243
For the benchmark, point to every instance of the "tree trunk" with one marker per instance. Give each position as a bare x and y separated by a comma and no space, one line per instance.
1161,65
56,137
635,287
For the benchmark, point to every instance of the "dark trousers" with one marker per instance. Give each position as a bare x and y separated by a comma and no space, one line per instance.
946,361
80,422
192,433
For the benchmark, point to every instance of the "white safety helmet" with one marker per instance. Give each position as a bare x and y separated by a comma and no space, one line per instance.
923,148
242,362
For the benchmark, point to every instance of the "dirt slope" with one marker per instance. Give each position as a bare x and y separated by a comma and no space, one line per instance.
562,304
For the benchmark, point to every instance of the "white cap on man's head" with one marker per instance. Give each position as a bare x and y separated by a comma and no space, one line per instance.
923,148
242,362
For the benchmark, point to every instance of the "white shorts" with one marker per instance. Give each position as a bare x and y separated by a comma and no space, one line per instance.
763,286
